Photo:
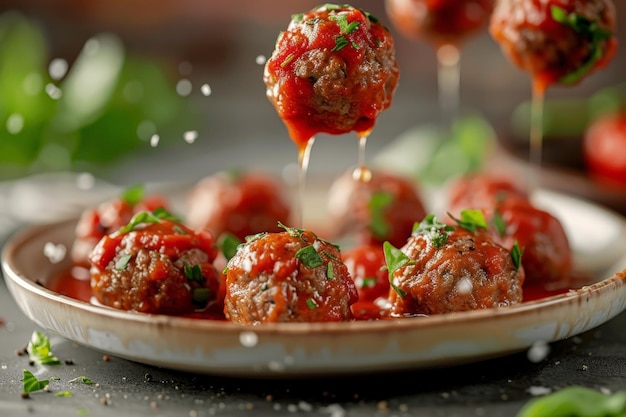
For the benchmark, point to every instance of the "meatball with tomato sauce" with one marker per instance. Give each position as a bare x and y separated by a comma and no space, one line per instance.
382,208
110,215
333,70
445,269
514,217
556,41
155,264
439,22
289,276
241,203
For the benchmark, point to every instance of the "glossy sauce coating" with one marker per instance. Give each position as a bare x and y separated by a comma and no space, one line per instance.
439,22
290,276
333,70
162,267
467,272
538,37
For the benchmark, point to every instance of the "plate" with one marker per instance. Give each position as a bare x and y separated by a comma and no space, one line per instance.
296,350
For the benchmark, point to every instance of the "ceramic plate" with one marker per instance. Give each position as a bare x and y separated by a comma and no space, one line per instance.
289,350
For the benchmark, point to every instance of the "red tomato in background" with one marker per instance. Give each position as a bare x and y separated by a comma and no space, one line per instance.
604,148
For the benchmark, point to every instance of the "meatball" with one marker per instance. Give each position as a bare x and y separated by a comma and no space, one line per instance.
155,264
556,41
289,276
439,22
240,203
445,269
508,208
383,208
110,215
482,190
332,71
547,255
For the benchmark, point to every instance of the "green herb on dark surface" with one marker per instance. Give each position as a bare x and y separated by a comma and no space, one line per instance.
433,229
228,244
63,394
122,262
40,351
133,195
82,379
594,33
31,383
471,220
575,401
82,412
311,304
394,260
377,205
309,257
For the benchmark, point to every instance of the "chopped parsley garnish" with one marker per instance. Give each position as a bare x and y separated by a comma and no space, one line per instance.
342,21
595,34
200,296
311,304
471,220
516,255
179,230
229,244
330,273
133,195
369,282
379,201
63,394
297,17
575,401
287,60
194,273
252,238
499,223
291,230
340,43
144,217
309,257
123,261
433,229
394,260
40,351
31,383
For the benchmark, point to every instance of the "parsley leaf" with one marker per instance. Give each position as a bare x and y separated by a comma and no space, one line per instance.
309,257
433,229
39,349
291,230
123,261
471,220
31,383
394,260
193,273
144,217
344,26
576,401
340,43
311,304
516,255
133,195
229,244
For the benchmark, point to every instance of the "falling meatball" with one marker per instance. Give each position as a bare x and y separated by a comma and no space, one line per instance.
289,276
445,269
556,41
332,71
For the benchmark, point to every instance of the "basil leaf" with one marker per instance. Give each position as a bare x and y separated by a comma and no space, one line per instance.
309,257
31,383
576,401
394,260
229,244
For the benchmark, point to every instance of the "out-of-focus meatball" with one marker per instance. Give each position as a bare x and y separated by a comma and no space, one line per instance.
514,218
383,208
240,203
289,276
439,22
332,71
482,190
556,41
95,223
155,264
445,269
